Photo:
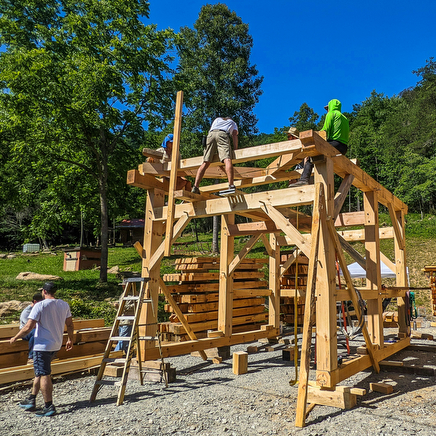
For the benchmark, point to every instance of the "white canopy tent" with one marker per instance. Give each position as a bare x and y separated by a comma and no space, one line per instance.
357,272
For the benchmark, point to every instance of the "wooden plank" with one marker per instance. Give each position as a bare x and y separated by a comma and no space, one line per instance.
213,315
195,287
206,307
26,372
204,277
309,312
178,329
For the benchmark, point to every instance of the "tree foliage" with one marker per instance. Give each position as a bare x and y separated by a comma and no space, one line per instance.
79,80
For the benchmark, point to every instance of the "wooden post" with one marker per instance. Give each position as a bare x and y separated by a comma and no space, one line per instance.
240,362
175,156
401,271
153,233
373,271
274,282
326,335
309,308
225,304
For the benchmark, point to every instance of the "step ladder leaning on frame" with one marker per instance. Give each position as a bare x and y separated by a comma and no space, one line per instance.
133,340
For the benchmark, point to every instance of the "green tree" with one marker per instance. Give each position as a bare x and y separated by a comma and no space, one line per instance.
305,119
215,72
79,80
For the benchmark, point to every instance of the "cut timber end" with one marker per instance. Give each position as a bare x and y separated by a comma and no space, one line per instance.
383,388
240,362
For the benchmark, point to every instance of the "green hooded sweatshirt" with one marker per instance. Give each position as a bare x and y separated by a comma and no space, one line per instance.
335,124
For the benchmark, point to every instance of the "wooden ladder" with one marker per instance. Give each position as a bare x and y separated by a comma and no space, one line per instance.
129,296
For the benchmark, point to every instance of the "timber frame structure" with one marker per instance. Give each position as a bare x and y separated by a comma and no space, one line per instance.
321,237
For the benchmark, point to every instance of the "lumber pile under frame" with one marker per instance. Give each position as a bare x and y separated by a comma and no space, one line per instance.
276,221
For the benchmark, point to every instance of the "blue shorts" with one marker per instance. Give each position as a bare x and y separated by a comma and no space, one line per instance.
42,362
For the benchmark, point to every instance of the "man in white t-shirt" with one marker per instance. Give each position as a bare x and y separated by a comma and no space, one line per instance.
48,317
218,140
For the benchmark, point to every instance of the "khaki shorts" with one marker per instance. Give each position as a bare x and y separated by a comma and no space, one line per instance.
218,141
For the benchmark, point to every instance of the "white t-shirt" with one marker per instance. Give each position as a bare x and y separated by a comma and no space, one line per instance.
221,124
50,316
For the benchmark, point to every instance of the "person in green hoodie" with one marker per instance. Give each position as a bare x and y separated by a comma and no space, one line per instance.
337,129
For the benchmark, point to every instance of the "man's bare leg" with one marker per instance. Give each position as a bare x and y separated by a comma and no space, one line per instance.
228,166
200,173
47,388
36,385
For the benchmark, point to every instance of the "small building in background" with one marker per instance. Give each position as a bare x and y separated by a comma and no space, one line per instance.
131,231
80,258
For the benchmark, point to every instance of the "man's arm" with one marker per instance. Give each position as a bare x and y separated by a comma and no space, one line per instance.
70,332
30,325
235,139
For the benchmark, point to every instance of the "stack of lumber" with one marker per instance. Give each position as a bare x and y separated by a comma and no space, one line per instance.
390,319
89,342
293,279
431,271
196,294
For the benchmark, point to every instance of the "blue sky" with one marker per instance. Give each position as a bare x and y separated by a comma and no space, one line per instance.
312,51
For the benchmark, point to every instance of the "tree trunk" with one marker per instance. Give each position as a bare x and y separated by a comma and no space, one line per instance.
104,216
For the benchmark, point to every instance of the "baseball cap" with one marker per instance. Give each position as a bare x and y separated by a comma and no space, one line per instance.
168,138
49,287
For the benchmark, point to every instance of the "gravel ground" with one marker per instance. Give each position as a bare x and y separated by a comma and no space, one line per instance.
211,400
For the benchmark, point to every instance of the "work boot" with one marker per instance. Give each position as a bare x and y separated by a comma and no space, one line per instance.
195,190
305,177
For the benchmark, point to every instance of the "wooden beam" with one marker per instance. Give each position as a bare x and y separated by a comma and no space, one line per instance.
274,282
401,272
179,314
326,323
342,193
268,247
245,203
352,252
259,227
175,156
352,292
309,308
343,166
283,163
225,304
359,235
244,251
350,219
286,227
288,263
145,181
387,262
246,154
398,231
373,269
